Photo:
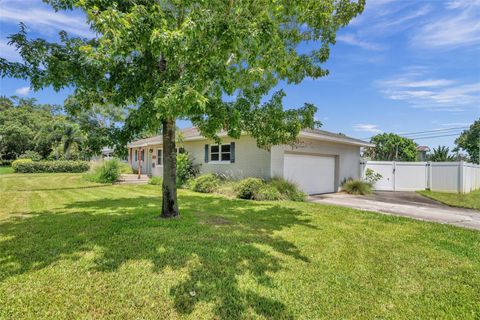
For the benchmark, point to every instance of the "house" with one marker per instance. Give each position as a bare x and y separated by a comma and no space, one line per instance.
422,153
318,162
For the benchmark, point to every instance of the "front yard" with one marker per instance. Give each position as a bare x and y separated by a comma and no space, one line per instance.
74,249
470,200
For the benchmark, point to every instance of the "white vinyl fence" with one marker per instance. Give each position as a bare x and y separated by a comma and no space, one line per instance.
461,177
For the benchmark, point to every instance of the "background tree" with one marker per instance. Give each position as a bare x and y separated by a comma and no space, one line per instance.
441,153
391,147
469,141
211,62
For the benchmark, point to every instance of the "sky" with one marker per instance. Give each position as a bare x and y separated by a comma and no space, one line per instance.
403,66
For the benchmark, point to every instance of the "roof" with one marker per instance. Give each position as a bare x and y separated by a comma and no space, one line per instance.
192,134
423,148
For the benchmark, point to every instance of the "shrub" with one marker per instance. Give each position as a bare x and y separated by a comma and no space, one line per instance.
29,166
206,183
125,167
186,169
248,188
267,192
357,187
5,163
288,189
19,165
372,177
156,181
35,156
107,172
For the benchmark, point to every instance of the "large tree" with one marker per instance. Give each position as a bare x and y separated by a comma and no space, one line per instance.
211,62
469,141
390,147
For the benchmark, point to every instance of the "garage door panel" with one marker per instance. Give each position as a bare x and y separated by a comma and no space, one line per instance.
313,174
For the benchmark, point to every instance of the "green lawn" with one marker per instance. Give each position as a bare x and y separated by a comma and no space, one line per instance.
4,170
72,249
470,200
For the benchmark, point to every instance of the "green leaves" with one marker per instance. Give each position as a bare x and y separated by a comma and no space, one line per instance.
210,61
469,141
390,146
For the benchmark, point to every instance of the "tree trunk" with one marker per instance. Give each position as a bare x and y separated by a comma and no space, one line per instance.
169,188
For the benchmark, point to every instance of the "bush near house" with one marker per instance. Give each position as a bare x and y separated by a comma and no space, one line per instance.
267,192
108,172
357,187
29,166
248,188
156,181
288,189
206,183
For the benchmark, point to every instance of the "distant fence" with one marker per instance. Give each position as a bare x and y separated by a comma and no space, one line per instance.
461,177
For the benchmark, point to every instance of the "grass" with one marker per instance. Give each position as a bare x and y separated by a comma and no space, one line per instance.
73,249
5,170
469,200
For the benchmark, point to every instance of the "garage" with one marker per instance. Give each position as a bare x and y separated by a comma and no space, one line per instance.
312,173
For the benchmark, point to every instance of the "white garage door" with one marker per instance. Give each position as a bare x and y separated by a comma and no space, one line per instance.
313,174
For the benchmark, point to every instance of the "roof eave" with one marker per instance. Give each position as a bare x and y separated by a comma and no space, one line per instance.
348,141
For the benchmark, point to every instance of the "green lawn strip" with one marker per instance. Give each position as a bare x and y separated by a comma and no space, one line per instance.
101,252
469,200
5,170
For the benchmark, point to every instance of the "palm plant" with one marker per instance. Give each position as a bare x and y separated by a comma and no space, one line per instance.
72,137
441,153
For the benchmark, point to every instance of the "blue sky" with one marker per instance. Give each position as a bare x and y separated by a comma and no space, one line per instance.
403,66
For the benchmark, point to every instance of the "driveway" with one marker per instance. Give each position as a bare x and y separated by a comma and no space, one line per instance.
407,204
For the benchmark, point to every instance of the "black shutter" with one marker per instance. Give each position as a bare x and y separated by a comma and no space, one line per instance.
206,153
232,152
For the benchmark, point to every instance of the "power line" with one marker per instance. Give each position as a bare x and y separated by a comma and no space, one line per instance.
432,131
421,134
445,135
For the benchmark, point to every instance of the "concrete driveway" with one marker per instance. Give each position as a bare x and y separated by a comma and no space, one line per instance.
407,204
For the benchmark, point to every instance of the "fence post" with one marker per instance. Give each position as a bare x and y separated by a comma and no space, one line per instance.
394,176
429,175
461,177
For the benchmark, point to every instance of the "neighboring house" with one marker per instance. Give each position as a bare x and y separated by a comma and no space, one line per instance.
107,152
318,162
422,153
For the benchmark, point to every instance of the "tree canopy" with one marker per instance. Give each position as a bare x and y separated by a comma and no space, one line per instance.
212,62
469,141
49,131
391,147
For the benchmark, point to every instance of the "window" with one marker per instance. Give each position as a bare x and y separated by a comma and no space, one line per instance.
220,153
159,157
136,155
143,155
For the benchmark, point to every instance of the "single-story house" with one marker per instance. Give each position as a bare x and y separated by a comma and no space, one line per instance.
318,162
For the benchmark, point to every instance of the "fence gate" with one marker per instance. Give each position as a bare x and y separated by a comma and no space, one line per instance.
460,176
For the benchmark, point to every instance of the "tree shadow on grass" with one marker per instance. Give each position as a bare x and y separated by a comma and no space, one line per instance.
217,241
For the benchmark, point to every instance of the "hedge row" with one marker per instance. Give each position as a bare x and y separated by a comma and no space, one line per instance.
5,163
29,166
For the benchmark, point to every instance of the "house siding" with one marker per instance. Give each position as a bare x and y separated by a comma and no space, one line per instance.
249,159
348,157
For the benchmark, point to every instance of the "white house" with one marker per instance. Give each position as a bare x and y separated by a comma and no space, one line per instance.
318,162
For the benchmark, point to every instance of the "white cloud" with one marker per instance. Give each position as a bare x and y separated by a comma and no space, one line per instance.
43,19
372,128
354,41
9,52
23,91
460,26
435,94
